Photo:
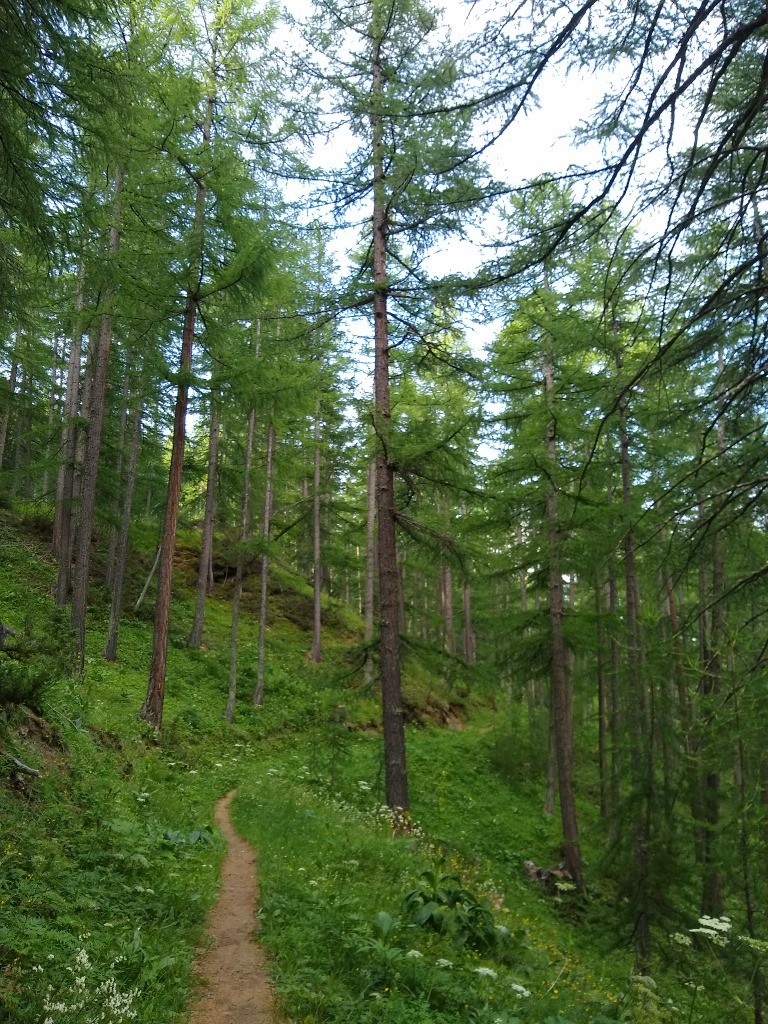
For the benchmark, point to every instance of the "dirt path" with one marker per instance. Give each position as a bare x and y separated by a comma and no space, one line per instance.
233,970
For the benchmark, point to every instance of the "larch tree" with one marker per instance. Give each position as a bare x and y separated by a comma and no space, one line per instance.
412,171
213,165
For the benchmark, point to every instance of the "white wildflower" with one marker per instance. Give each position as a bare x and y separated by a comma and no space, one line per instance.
520,991
486,972
414,954
442,962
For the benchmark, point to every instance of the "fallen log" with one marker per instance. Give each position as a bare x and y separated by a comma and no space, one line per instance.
23,768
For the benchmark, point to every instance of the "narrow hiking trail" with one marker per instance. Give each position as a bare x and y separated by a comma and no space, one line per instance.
233,972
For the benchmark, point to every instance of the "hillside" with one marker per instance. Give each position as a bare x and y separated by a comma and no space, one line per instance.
110,860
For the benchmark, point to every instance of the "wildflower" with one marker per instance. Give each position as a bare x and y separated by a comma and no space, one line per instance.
486,972
442,962
714,928
681,940
720,924
520,991
414,954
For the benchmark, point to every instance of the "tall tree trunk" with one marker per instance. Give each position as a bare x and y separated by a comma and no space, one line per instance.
93,445
370,573
238,589
53,409
712,882
561,710
316,652
66,478
206,547
615,718
468,634
109,576
602,705
393,719
642,771
63,529
446,608
266,524
110,651
152,708
11,391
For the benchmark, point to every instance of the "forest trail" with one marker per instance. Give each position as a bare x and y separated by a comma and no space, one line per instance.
233,971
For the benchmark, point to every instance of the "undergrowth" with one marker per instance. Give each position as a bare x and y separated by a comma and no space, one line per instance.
109,862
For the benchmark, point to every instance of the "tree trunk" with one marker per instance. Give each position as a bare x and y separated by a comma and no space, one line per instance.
93,444
110,651
602,706
393,724
7,414
206,547
615,718
145,588
53,410
712,883
266,523
152,708
238,590
109,576
446,608
63,526
561,710
370,573
642,770
468,634
316,652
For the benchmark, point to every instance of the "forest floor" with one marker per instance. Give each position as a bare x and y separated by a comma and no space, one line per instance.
233,970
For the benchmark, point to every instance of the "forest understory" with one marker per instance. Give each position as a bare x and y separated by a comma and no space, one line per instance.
111,859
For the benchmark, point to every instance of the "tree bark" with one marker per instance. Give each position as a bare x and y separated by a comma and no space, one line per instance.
7,414
712,902
145,588
446,607
238,589
602,706
63,527
206,547
266,523
316,652
642,770
53,410
370,573
152,709
110,651
562,698
109,576
393,724
93,444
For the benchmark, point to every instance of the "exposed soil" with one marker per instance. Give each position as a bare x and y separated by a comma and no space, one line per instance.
233,977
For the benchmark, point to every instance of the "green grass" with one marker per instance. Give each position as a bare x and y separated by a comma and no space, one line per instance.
109,863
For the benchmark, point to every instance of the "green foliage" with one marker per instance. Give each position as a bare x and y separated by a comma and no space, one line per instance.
441,903
31,661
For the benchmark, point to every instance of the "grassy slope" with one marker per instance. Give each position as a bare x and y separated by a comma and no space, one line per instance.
108,865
